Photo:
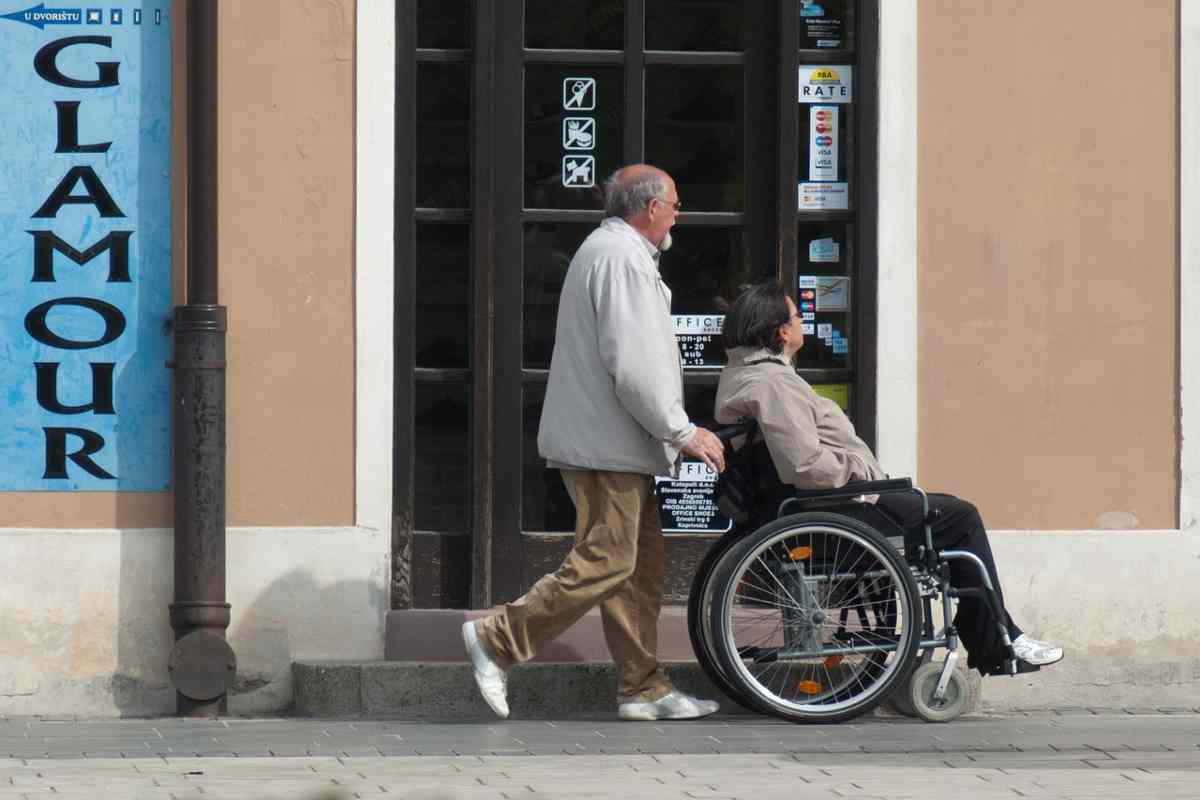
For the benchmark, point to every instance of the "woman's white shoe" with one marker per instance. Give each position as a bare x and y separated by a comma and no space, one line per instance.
1031,651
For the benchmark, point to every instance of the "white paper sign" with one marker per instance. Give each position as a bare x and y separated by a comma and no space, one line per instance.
818,196
826,84
823,143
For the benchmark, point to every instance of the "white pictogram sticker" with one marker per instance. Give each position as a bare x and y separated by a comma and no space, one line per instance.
579,94
579,133
579,172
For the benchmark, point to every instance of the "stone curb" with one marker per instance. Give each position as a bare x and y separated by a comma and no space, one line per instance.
446,691
443,691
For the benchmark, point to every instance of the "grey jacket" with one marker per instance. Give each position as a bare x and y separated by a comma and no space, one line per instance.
615,396
812,443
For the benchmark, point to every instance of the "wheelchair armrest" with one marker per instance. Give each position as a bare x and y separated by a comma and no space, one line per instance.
855,489
727,433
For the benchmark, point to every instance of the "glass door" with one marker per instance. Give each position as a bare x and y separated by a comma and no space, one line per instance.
685,86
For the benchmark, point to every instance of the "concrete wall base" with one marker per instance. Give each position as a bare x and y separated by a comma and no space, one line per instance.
84,628
84,631
1123,605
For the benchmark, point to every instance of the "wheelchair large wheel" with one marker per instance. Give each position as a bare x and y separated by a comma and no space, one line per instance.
699,627
815,618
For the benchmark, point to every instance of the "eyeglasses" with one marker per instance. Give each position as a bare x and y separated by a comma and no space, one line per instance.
678,204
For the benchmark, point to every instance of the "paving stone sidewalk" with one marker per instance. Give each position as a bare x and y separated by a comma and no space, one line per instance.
1073,753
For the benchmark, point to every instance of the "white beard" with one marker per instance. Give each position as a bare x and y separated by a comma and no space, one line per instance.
666,243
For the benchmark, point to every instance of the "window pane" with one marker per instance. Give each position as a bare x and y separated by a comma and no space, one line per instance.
695,25
705,269
443,300
837,392
549,247
573,130
545,504
826,24
443,136
444,24
442,474
575,24
694,131
825,248
700,403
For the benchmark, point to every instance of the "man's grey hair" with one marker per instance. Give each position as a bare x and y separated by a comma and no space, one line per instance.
625,198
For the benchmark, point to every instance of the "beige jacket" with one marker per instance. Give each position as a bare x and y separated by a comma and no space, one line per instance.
614,400
812,443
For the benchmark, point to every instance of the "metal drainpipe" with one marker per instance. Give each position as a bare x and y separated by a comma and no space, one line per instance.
202,665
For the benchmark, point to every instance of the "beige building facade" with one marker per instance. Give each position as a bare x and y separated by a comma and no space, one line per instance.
1035,350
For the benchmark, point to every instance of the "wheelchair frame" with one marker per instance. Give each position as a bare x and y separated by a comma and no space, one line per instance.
928,568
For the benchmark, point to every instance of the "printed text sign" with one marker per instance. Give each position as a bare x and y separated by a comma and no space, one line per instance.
85,236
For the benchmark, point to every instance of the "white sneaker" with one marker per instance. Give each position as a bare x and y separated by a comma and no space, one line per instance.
1031,651
675,705
491,680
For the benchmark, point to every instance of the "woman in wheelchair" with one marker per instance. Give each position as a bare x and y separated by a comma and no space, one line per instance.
812,445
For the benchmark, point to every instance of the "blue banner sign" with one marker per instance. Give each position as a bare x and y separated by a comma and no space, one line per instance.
85,244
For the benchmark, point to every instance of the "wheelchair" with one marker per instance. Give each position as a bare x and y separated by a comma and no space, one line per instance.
819,608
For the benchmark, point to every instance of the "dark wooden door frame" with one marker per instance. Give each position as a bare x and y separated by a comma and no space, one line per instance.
496,376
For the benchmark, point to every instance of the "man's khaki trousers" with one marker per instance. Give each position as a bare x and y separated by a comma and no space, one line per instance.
617,562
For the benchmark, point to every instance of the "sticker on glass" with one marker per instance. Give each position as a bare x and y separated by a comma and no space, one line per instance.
697,336
688,502
579,133
833,293
819,27
822,196
826,84
579,94
579,172
823,143
824,251
825,330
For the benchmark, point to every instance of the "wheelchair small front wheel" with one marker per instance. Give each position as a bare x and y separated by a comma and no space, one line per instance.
923,685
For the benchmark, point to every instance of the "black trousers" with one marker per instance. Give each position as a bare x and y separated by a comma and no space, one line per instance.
958,526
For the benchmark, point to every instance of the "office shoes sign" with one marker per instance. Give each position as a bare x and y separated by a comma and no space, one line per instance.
85,236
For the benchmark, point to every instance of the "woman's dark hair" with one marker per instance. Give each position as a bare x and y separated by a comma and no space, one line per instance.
755,317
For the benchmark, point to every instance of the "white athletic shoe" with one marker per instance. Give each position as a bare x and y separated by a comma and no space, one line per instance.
491,680
1031,651
675,705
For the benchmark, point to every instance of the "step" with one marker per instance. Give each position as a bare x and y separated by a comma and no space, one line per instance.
446,691
435,635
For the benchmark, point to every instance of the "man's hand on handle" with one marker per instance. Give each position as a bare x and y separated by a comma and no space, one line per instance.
705,446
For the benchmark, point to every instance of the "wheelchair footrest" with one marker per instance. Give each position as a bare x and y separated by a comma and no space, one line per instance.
1022,668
